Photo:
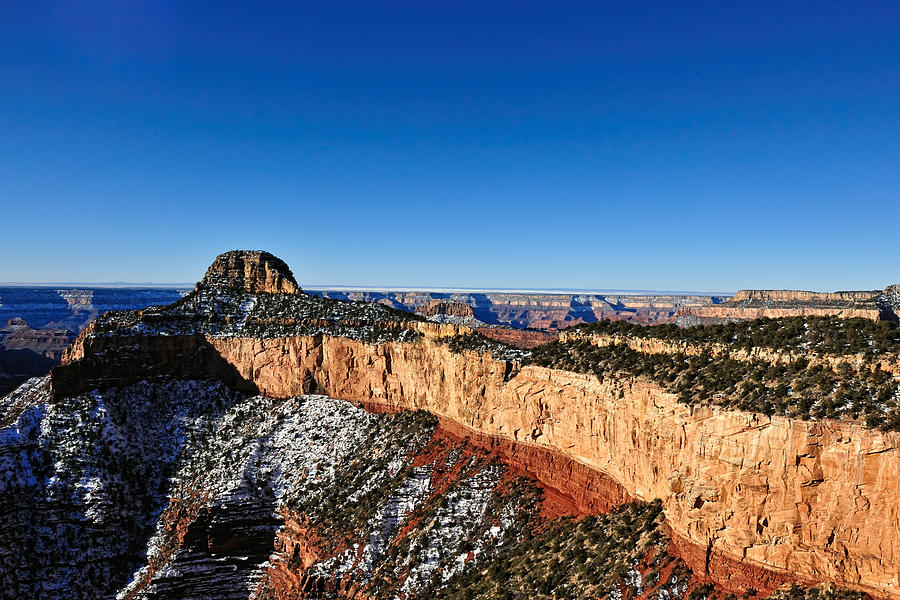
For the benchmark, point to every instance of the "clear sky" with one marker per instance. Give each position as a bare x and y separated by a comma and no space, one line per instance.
671,145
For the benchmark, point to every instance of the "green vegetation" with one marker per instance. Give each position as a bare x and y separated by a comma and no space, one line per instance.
338,510
479,343
826,335
568,558
796,389
234,313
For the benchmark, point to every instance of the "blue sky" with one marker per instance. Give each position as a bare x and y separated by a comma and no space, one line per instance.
704,146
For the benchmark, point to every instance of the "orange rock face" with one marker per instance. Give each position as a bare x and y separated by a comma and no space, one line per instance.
740,313
812,501
440,307
753,500
253,271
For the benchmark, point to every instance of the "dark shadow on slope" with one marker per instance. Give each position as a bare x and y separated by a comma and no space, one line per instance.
147,358
121,446
580,310
17,366
483,309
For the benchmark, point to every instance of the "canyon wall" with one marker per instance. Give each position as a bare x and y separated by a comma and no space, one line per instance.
538,310
802,296
876,305
73,309
759,500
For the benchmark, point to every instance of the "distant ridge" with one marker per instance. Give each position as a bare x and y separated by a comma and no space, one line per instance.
83,284
470,290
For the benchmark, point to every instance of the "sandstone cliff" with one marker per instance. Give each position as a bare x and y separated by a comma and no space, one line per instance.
756,500
808,501
252,271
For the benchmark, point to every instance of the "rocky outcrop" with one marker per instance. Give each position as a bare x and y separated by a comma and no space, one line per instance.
254,271
441,307
756,304
520,338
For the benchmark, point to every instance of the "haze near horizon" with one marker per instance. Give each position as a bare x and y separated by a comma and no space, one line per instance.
508,146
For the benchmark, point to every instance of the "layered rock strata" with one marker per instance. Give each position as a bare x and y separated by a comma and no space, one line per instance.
539,310
756,500
254,271
815,501
756,304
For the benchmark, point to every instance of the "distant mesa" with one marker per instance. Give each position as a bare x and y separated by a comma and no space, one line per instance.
875,305
254,271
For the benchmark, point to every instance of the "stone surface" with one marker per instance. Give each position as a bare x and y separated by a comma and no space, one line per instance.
442,307
252,271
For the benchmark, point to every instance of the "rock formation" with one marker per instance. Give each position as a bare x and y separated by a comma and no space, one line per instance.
442,307
254,271
755,304
539,310
750,501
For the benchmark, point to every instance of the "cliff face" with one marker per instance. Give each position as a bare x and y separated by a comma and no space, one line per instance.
441,307
254,271
800,500
858,362
752,501
756,304
815,500
802,296
715,314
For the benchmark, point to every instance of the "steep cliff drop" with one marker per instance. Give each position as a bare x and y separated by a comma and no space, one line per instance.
195,450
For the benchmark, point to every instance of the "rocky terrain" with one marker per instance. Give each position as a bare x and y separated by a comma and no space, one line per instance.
538,310
876,305
253,441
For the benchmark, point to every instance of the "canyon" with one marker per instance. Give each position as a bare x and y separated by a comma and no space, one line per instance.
747,502
38,323
538,310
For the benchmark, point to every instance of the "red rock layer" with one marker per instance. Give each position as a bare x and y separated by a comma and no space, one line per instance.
520,338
